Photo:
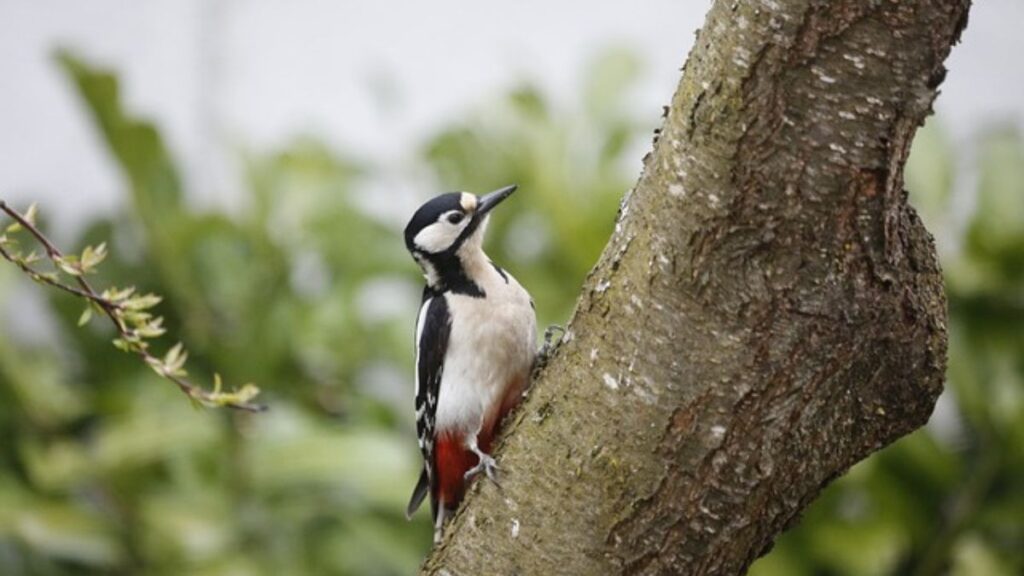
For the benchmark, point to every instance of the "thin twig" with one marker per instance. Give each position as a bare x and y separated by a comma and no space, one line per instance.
41,277
111,310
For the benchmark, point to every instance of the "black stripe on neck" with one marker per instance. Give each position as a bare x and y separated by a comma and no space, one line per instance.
452,276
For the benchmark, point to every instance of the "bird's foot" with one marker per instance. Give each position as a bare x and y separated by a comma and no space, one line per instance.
549,336
487,465
549,345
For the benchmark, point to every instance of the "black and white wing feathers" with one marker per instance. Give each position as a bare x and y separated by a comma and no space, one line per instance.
433,326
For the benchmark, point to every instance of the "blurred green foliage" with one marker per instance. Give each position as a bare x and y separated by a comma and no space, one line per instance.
105,469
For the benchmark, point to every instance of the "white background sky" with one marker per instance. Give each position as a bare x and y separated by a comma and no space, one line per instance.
214,74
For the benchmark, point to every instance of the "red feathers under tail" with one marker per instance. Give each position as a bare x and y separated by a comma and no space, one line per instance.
452,461
451,458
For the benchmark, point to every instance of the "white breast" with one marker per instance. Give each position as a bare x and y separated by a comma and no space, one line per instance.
492,343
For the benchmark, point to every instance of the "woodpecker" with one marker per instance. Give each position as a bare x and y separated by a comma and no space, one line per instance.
475,347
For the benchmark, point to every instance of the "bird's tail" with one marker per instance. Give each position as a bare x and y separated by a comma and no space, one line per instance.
418,494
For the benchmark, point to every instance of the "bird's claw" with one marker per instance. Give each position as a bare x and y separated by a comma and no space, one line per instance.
488,466
549,336
549,345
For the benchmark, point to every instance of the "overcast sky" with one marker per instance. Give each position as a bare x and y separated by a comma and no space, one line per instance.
215,74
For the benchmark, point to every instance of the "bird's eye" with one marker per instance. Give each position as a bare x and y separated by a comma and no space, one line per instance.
455,218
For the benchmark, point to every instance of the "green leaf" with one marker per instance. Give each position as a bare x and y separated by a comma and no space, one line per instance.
92,257
86,316
142,302
136,318
174,360
31,213
69,264
153,329
244,395
123,345
118,296
29,216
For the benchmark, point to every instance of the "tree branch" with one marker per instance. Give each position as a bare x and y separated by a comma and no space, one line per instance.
121,308
768,312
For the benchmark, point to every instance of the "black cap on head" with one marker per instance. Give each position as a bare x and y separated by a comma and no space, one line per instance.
429,213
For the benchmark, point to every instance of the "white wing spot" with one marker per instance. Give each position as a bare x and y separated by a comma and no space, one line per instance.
419,333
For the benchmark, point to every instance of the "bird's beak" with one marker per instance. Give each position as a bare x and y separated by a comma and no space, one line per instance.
489,201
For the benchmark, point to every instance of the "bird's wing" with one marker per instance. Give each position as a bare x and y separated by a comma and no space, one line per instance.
433,326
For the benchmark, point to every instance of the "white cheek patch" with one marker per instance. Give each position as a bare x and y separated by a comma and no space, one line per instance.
440,235
437,237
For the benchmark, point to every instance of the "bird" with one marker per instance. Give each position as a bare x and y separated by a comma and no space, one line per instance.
475,343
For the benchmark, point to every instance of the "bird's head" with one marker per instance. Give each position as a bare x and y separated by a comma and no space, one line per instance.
450,228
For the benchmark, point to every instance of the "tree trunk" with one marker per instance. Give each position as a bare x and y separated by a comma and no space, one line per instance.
768,312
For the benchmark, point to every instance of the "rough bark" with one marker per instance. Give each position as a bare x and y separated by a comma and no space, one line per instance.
768,312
